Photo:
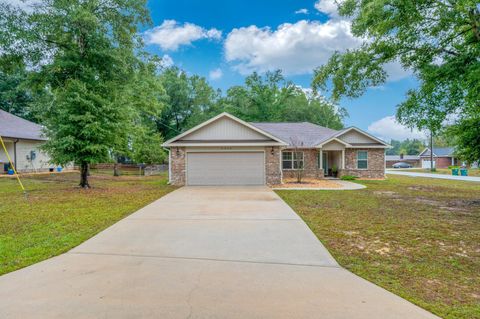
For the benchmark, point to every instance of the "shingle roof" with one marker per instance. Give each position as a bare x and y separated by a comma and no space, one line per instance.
405,157
305,134
16,127
439,151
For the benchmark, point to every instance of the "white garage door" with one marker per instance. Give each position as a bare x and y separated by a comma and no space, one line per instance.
426,164
229,168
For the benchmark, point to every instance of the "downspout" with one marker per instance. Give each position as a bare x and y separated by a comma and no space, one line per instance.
15,152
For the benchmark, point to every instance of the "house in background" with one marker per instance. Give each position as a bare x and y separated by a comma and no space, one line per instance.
413,160
23,140
228,151
443,157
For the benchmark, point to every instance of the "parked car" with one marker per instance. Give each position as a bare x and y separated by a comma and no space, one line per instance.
402,165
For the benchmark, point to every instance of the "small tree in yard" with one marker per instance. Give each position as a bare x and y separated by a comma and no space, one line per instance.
84,53
297,160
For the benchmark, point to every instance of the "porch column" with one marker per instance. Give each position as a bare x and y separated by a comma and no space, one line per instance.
343,159
321,160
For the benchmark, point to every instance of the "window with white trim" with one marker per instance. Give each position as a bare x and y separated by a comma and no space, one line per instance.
292,160
362,159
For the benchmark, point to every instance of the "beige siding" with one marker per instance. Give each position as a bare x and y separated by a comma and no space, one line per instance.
3,156
356,137
41,162
333,146
225,129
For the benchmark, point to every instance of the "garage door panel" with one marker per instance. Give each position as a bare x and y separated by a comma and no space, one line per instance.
229,168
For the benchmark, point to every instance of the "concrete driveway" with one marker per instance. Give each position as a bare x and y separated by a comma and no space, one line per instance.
200,252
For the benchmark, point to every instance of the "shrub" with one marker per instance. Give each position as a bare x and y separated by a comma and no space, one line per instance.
348,178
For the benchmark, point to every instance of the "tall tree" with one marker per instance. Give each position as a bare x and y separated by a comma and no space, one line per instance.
84,52
438,40
261,98
270,98
188,101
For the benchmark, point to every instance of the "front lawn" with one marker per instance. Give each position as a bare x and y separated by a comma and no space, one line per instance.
418,238
58,215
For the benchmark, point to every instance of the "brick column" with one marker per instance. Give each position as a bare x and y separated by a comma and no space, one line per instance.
178,166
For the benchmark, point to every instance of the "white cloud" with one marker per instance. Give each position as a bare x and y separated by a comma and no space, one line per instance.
167,61
295,48
388,128
328,7
302,11
215,74
170,35
395,71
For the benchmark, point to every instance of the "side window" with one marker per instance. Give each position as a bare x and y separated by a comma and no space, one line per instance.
362,159
287,158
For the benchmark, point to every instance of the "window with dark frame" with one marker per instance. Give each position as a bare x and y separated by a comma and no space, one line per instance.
362,159
292,160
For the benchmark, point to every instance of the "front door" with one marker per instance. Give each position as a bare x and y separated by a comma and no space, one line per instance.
325,163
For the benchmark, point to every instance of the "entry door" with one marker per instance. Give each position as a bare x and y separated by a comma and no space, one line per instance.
226,168
325,163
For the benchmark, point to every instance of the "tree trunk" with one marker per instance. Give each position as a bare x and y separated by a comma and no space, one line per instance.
84,175
431,151
116,171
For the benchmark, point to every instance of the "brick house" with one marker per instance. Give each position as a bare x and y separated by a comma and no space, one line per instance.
228,151
443,157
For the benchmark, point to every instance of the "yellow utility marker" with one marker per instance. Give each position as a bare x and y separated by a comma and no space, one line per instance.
13,166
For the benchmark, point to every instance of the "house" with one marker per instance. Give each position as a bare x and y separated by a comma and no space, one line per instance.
413,160
228,151
443,157
23,140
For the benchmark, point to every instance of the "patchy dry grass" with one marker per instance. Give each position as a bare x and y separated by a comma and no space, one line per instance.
58,215
419,238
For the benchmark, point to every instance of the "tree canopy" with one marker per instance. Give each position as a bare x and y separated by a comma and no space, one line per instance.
270,98
84,53
439,41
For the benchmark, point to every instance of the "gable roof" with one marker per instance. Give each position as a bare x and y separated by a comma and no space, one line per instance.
438,151
305,134
405,158
176,141
369,136
298,134
310,135
15,127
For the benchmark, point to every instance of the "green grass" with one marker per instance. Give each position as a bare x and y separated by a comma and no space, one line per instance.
445,171
59,216
418,238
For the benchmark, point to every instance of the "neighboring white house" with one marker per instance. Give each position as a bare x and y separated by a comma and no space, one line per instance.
23,140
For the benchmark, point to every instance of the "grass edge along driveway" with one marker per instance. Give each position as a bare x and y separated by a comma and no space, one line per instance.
418,238
59,215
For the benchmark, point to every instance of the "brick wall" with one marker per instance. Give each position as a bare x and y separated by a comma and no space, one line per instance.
442,162
178,166
376,163
310,165
272,166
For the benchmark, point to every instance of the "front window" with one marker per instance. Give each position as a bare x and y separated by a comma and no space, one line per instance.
292,160
362,159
